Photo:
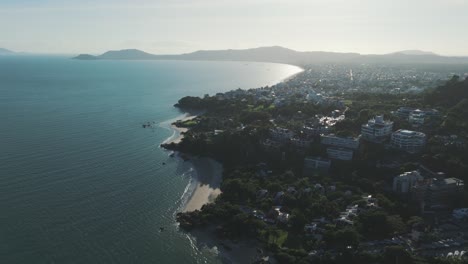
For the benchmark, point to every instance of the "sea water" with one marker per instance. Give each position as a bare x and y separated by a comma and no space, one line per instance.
80,180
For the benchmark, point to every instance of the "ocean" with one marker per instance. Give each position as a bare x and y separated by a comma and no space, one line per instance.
80,180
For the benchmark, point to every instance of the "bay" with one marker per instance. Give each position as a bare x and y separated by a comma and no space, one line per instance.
80,180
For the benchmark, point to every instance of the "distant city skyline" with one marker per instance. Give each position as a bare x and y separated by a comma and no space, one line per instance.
182,26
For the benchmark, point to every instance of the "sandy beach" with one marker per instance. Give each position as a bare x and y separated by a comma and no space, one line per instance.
208,176
208,173
179,131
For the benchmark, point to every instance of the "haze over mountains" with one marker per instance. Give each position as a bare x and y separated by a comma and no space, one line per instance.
282,55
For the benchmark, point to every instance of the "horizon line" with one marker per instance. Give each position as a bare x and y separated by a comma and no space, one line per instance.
272,46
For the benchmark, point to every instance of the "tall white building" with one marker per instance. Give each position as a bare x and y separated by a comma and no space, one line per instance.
342,142
407,140
377,129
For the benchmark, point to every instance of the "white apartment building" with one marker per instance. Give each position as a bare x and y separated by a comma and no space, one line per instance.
407,140
417,117
341,142
377,129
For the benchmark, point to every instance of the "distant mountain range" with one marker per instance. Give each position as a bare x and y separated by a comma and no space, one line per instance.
282,55
6,52
415,52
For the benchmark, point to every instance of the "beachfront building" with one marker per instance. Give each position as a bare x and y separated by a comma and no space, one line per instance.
404,182
339,153
407,140
377,129
341,142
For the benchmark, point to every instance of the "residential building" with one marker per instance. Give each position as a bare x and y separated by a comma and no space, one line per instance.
339,153
418,114
438,192
404,182
281,134
417,117
312,164
342,142
404,112
407,140
302,143
377,129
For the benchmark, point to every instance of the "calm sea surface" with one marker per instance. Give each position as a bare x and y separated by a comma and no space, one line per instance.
80,180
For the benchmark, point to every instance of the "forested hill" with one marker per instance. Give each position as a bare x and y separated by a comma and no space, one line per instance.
453,99
450,94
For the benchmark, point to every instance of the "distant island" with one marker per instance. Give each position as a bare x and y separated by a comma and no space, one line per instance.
277,54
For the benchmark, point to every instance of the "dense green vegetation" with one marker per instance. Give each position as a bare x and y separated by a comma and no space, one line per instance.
232,130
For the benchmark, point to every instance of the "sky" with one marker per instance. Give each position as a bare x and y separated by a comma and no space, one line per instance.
181,26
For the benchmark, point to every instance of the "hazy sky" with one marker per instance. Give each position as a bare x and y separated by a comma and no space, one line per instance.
178,26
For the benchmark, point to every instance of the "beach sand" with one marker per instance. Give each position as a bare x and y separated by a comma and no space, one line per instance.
208,173
208,180
179,130
208,176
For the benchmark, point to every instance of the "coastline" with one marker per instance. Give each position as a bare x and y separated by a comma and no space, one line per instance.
178,132
227,251
208,172
206,182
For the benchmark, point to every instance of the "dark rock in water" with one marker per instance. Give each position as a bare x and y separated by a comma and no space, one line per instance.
147,124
